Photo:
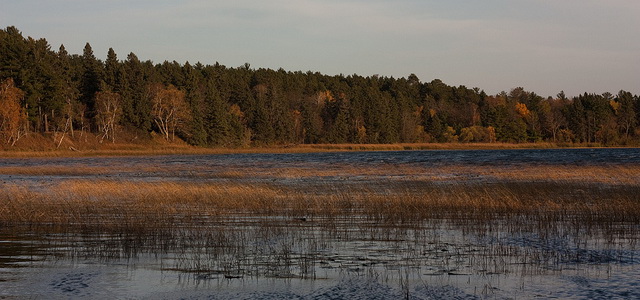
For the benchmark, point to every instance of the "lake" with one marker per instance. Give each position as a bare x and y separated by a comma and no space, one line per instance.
299,254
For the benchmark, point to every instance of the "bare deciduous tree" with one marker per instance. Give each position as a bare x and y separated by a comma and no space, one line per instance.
108,113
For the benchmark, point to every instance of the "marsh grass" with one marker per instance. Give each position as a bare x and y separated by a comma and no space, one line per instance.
427,146
605,174
112,202
115,203
163,148
54,170
527,220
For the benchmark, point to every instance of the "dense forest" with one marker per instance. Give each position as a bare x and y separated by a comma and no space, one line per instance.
44,90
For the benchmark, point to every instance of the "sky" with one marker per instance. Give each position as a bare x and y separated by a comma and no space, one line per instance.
544,46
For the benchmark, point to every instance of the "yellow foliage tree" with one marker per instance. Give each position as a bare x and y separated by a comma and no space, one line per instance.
236,111
13,119
450,135
491,132
615,105
522,110
170,111
362,134
478,134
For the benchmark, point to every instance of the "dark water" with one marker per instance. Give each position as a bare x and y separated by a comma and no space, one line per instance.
273,259
605,156
213,167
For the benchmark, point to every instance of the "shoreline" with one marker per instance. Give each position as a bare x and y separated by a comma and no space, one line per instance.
142,150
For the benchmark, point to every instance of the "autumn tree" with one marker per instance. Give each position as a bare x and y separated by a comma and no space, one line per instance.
169,109
13,119
412,130
336,116
241,134
478,134
241,106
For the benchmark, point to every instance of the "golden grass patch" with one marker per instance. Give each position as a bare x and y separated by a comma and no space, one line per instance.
151,204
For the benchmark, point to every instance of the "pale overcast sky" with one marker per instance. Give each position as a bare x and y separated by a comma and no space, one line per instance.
542,45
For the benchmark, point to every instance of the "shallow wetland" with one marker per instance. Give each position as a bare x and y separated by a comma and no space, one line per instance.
473,224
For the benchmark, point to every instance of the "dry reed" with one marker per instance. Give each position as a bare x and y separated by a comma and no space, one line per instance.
148,204
169,149
256,229
605,174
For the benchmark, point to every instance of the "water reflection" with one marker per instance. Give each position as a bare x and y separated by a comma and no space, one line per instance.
468,257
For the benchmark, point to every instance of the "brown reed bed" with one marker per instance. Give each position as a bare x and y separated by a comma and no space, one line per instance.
126,204
285,222
183,149
604,174
429,146
258,229
55,170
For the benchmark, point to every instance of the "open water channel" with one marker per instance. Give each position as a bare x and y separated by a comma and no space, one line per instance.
246,256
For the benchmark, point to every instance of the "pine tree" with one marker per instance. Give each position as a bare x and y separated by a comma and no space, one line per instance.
112,71
135,99
92,75
218,119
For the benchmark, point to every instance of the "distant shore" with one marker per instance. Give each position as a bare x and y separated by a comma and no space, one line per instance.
125,149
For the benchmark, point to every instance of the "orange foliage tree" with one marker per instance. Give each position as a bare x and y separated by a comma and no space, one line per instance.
522,110
13,119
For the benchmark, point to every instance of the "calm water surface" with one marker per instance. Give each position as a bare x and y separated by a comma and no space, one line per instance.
424,158
211,167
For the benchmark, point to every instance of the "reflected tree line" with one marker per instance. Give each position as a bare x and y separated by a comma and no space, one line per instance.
44,90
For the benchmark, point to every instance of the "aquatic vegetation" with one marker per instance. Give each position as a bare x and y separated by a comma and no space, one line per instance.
77,201
411,228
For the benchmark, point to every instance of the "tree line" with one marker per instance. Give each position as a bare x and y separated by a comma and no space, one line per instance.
43,91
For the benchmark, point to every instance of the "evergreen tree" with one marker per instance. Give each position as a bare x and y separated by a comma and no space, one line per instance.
237,106
135,98
112,71
194,86
218,119
92,75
